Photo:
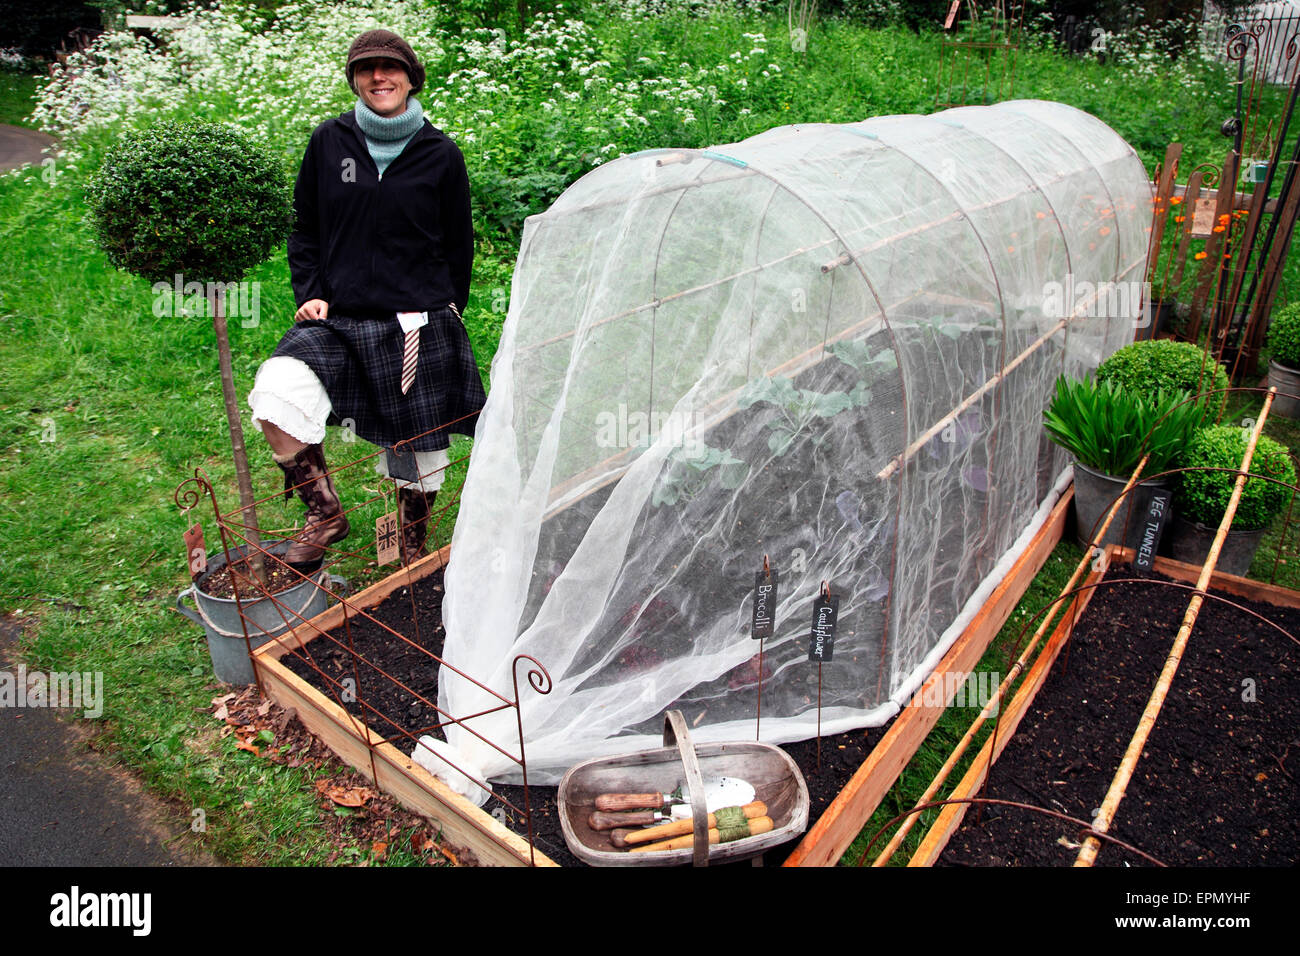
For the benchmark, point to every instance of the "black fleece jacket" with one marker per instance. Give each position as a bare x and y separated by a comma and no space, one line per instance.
368,244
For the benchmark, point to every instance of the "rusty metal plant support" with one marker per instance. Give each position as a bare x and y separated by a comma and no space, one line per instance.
188,495
1002,28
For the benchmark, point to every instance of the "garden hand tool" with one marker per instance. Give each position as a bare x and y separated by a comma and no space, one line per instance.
717,835
718,792
601,820
752,811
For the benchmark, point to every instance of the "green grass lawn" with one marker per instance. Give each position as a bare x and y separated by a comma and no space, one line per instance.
16,92
105,407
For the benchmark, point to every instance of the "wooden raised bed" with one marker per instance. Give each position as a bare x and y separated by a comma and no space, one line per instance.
950,818
831,835
392,771
465,824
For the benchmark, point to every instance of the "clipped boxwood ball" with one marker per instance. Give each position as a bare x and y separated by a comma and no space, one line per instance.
1163,363
1284,336
199,199
1202,496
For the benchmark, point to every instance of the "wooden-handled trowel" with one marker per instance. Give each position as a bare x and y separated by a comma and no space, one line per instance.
718,792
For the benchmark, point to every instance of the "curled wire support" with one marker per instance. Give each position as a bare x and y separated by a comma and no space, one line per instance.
1240,38
187,497
1086,829
538,678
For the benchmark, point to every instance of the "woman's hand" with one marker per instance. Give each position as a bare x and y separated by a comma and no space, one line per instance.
312,310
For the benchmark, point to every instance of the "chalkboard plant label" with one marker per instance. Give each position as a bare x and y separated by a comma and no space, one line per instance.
821,640
1152,527
764,619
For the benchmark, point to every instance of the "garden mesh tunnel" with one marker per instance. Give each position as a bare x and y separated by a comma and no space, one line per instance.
830,345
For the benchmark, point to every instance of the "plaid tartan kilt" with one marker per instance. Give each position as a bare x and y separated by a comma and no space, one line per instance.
359,361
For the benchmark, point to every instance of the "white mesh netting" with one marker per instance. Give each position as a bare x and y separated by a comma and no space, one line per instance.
829,345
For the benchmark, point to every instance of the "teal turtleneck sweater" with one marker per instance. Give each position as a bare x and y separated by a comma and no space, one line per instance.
387,136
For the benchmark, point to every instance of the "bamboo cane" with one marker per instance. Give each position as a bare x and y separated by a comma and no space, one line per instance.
1016,669
1088,852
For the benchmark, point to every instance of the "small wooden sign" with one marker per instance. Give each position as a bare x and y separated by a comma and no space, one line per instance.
387,537
196,552
1152,527
1204,218
952,14
764,620
821,640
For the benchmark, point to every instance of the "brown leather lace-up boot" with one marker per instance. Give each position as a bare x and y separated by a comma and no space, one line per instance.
414,507
326,522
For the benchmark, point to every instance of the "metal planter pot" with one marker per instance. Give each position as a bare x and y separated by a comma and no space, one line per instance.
1093,494
1190,542
1285,380
267,617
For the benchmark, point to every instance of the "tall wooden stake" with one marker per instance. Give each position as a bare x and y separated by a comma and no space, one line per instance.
248,509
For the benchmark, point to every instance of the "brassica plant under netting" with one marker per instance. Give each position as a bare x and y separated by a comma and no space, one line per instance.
829,345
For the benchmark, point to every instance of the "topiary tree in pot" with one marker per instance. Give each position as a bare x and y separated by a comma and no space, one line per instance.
1165,364
1201,497
1284,360
195,203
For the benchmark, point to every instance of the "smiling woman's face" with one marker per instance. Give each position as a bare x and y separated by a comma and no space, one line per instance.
383,85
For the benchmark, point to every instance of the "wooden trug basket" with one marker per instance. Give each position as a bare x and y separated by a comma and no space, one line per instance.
774,775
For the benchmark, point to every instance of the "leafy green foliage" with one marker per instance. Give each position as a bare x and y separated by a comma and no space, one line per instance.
1109,428
1165,364
800,408
688,473
196,199
1202,496
1284,335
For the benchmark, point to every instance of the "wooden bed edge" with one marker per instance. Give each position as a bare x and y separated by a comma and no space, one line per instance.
398,774
841,822
950,817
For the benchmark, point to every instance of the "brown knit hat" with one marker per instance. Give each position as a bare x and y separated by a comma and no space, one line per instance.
385,43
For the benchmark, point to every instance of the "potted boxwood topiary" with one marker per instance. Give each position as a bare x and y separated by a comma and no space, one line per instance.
197,205
1201,497
1166,364
1284,361
1108,429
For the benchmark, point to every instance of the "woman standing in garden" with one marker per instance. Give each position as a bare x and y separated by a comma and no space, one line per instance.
380,260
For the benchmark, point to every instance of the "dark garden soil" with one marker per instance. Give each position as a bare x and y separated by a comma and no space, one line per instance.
841,754
1216,783
278,578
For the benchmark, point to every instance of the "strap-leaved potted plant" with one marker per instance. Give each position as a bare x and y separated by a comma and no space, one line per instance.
1107,429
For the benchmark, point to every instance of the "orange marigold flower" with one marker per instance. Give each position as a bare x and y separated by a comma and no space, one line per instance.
1224,218
1219,228
1180,218
1199,255
1175,200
